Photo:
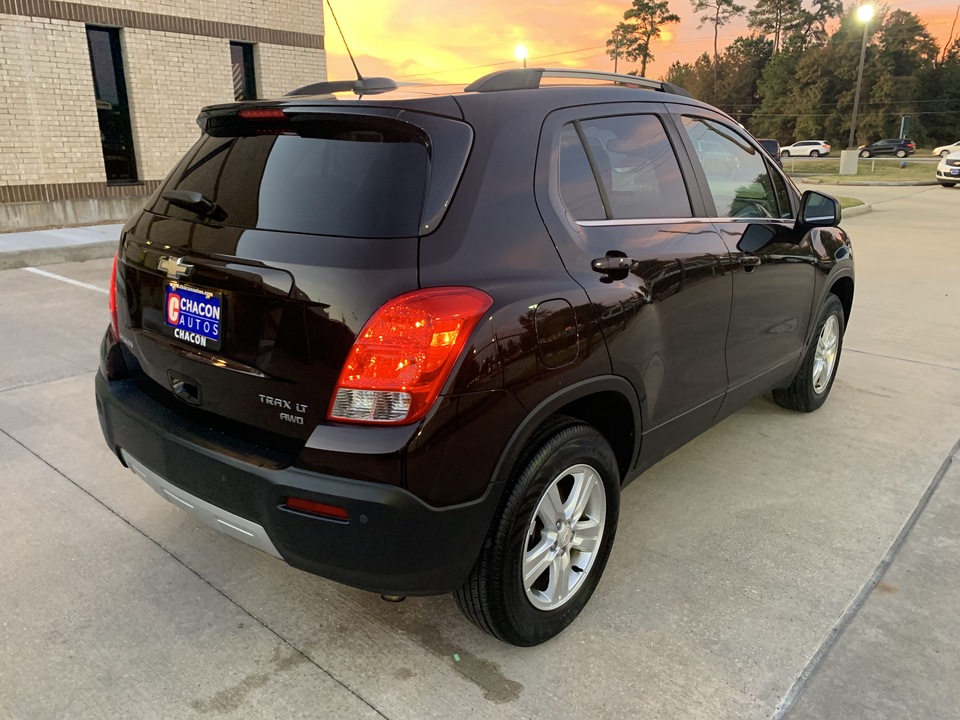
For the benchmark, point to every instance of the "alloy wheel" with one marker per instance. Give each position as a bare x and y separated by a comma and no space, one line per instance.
825,358
564,537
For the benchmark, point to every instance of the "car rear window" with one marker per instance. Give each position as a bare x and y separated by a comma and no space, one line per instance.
334,175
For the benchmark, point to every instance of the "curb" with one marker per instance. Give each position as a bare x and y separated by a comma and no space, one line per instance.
856,210
52,255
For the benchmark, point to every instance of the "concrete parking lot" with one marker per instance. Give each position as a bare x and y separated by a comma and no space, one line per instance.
779,565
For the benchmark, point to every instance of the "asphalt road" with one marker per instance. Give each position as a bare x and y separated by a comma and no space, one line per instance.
746,575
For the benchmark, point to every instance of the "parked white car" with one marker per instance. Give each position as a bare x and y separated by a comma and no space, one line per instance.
945,150
948,170
811,148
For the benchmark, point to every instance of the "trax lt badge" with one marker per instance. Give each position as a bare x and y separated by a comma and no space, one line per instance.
173,267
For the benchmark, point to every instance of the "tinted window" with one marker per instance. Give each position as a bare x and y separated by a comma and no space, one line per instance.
242,66
637,167
113,112
578,185
735,170
324,177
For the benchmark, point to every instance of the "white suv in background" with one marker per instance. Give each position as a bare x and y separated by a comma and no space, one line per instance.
811,148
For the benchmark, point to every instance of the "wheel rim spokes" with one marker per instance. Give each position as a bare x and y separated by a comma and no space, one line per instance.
563,537
825,356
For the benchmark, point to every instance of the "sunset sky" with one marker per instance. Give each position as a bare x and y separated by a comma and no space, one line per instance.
457,41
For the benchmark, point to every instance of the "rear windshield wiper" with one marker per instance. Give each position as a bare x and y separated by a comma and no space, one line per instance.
195,202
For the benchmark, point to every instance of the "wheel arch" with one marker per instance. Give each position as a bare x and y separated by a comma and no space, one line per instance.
608,403
842,287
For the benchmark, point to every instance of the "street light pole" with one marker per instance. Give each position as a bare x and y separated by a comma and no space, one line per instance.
520,52
864,14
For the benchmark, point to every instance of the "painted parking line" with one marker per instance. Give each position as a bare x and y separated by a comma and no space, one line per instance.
61,278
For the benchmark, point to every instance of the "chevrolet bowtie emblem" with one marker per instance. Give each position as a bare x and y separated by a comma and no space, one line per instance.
173,267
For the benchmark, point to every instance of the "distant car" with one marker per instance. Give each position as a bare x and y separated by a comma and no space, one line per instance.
771,146
811,148
901,147
945,150
948,171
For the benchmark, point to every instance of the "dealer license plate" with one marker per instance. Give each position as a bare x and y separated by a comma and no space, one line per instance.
192,315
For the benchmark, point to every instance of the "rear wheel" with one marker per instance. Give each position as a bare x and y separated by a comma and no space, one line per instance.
864,153
814,379
546,551
784,153
814,153
901,153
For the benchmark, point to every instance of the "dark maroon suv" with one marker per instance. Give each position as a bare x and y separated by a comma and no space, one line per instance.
418,341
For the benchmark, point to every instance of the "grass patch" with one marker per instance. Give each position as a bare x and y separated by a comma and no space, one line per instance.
886,169
848,202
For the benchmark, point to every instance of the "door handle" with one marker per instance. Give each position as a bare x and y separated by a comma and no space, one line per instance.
748,260
613,264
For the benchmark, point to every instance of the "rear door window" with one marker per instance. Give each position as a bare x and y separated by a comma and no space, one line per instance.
627,171
362,177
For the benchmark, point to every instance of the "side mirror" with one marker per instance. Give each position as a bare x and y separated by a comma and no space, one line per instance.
819,210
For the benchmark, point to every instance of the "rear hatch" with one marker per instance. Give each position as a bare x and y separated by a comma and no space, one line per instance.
244,282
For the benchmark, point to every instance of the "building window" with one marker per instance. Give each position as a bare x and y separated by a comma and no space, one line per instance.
244,80
113,111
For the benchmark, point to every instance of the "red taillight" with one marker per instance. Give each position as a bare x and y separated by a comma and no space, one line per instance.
262,114
113,299
404,354
316,508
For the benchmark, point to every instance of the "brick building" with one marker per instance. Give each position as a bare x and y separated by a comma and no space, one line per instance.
100,97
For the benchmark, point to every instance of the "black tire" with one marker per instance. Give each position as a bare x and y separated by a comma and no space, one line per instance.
814,153
947,185
784,153
864,153
944,153
804,394
494,597
901,153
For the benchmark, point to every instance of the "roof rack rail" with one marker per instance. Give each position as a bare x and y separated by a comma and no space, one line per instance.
529,78
363,86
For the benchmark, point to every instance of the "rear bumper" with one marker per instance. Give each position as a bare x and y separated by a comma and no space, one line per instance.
392,542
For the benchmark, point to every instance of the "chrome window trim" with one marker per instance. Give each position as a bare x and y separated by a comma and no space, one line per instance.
678,221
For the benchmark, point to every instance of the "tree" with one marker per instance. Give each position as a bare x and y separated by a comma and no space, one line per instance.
621,38
719,13
776,17
810,30
631,39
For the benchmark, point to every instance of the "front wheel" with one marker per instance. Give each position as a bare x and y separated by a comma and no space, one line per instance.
814,379
814,153
944,153
947,185
901,153
864,153
547,549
